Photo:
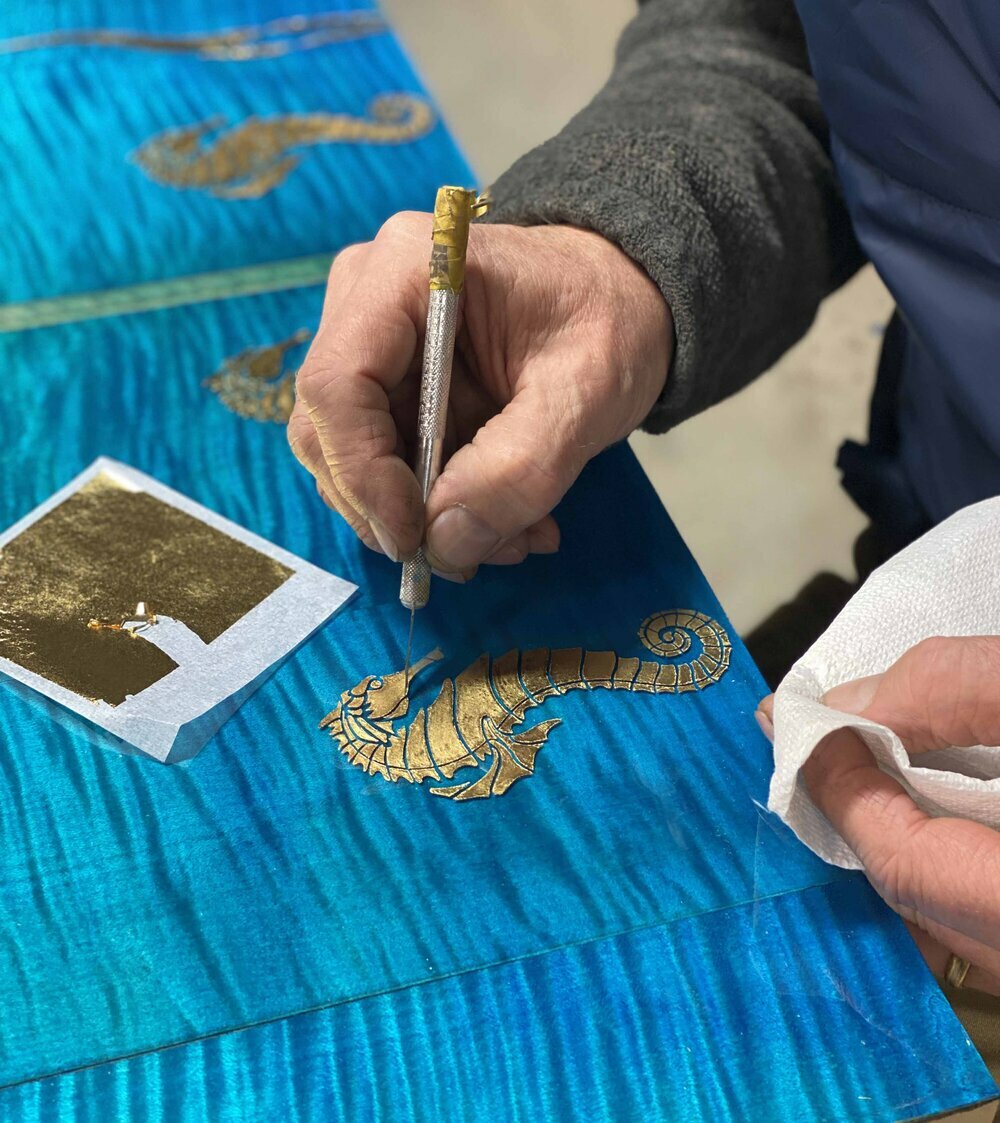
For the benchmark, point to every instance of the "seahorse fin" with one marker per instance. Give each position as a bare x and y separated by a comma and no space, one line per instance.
527,743
513,759
254,186
481,788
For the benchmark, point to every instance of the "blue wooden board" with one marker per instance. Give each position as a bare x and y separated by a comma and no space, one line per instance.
631,892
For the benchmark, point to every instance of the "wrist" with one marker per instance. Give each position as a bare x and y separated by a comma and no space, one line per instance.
644,319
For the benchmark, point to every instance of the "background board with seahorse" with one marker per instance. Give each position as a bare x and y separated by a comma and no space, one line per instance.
201,141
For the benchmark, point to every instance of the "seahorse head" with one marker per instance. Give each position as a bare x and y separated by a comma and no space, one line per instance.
364,720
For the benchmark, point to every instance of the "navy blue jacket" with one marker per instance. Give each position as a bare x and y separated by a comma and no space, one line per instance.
707,158
911,90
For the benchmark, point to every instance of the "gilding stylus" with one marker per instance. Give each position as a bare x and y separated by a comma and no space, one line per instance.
454,209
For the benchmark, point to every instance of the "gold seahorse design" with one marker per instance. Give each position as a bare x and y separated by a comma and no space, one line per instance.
472,721
255,384
253,158
234,44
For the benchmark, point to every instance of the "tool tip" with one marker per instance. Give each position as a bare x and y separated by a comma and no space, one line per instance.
409,649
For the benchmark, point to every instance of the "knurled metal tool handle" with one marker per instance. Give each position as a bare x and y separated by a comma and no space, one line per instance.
454,210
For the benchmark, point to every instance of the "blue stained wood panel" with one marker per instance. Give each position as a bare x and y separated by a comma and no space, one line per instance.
148,906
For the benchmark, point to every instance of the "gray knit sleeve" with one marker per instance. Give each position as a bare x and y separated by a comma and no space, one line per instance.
705,159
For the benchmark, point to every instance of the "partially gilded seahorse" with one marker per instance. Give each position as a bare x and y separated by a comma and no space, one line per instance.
473,722
253,158
233,44
254,383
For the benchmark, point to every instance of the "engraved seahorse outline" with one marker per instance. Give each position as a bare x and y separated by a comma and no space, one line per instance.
255,383
434,744
271,39
254,157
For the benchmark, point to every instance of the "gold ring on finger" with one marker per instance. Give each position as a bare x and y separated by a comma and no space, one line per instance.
956,971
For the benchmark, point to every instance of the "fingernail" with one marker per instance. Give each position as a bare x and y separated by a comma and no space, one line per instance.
459,540
545,547
853,697
506,555
766,726
457,578
384,539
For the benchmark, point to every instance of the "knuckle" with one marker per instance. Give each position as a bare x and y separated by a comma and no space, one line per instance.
307,390
528,480
351,481
402,225
379,433
883,872
347,261
318,374
301,436
934,652
914,681
943,661
312,366
986,649
945,689
977,658
897,872
371,436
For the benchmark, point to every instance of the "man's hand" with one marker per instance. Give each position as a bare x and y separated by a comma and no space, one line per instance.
941,875
563,348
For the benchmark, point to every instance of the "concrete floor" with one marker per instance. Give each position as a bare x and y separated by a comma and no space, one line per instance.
751,483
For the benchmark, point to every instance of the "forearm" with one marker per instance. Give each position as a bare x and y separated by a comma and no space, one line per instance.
704,158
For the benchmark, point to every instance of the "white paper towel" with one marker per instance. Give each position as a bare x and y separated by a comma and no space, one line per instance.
945,584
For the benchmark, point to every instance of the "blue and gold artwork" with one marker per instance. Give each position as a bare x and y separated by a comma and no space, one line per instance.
258,155
534,879
258,382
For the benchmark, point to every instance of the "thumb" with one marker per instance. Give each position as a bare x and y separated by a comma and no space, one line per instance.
503,483
944,691
853,697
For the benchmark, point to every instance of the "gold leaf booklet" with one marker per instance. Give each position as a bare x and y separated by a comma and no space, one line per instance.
147,614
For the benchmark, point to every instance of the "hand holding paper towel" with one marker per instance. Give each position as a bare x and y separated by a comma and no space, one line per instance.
945,584
921,817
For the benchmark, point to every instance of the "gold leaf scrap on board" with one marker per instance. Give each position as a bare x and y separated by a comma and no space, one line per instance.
255,384
234,44
75,584
473,722
253,158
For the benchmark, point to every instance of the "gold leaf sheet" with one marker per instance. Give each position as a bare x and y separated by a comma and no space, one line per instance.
96,556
